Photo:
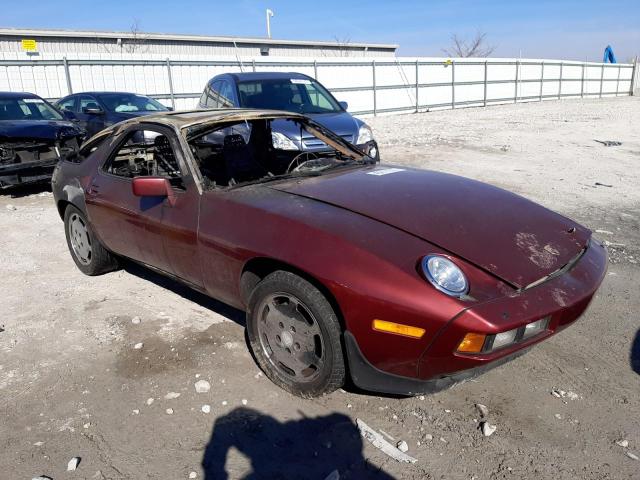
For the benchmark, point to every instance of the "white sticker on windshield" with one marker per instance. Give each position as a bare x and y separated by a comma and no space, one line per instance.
385,171
303,81
32,100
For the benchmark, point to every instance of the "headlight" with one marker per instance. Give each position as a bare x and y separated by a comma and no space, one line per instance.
364,135
481,343
445,275
282,142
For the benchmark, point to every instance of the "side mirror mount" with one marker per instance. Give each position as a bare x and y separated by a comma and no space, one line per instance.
153,187
344,105
92,111
170,109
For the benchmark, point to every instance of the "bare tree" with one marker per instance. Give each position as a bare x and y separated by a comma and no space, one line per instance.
476,47
137,42
343,47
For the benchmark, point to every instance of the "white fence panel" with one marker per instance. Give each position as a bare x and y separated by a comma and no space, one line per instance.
369,86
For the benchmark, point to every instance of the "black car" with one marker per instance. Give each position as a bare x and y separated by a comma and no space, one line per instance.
292,92
33,137
95,111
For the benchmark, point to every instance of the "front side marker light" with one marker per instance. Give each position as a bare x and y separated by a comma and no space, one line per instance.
472,343
398,329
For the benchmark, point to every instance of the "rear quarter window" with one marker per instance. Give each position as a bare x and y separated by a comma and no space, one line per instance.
88,148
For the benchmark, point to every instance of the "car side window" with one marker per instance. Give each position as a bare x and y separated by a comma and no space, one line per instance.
225,98
88,148
211,100
145,152
68,104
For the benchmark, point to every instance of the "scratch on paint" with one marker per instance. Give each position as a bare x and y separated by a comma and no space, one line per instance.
542,256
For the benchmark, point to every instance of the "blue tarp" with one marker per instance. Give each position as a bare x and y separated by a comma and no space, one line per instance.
608,55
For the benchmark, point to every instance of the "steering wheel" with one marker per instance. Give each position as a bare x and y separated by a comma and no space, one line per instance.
297,160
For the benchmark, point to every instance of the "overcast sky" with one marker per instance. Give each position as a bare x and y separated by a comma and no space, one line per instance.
569,29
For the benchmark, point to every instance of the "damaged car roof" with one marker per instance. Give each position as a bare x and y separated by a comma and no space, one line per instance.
189,118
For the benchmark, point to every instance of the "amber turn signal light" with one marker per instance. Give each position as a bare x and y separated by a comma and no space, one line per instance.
398,329
472,343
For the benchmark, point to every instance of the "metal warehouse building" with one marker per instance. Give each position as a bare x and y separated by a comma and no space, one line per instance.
51,44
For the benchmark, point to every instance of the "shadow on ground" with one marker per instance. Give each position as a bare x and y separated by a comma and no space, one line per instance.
635,353
26,190
309,448
186,292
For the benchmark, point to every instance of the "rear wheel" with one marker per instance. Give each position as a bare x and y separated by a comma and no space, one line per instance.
86,250
295,335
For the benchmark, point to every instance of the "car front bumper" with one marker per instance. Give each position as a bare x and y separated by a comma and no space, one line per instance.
563,299
22,173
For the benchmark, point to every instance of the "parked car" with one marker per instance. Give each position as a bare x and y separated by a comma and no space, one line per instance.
33,137
292,92
409,280
95,111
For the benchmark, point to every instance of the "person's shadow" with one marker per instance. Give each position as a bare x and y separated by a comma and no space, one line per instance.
309,448
635,353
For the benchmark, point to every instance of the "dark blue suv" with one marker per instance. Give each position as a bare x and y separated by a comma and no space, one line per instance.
292,92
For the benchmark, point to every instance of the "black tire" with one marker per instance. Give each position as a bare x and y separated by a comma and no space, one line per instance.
318,328
94,260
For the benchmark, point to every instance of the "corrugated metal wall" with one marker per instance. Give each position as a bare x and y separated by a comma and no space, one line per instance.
58,47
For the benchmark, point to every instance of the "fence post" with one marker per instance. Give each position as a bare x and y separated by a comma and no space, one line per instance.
315,69
373,74
68,76
601,79
618,80
417,86
515,96
453,84
560,83
582,82
633,75
485,85
253,65
173,100
541,80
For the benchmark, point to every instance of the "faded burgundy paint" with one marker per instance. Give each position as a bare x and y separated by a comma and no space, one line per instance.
527,241
361,237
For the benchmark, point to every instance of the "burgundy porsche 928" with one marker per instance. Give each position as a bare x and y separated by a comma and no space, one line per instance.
405,280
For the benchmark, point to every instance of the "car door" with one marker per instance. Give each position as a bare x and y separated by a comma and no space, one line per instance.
90,114
157,231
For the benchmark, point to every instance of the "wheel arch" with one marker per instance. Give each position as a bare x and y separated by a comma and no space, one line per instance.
71,195
258,268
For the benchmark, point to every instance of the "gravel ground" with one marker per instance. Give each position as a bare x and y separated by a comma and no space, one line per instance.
73,384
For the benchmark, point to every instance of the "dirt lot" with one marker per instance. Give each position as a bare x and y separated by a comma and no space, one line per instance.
72,382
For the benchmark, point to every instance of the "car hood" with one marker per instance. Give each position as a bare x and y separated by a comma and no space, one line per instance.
37,129
341,123
509,236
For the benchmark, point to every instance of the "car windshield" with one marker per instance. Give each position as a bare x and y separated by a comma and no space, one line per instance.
249,152
128,102
300,95
28,108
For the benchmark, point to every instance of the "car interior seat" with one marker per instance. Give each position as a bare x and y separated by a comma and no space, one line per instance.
164,160
240,161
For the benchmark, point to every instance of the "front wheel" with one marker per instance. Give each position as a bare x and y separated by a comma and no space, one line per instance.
295,335
86,250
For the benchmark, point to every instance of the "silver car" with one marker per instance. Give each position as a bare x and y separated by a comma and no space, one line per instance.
293,92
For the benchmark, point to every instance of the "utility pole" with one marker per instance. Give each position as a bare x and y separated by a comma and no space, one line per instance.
269,15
